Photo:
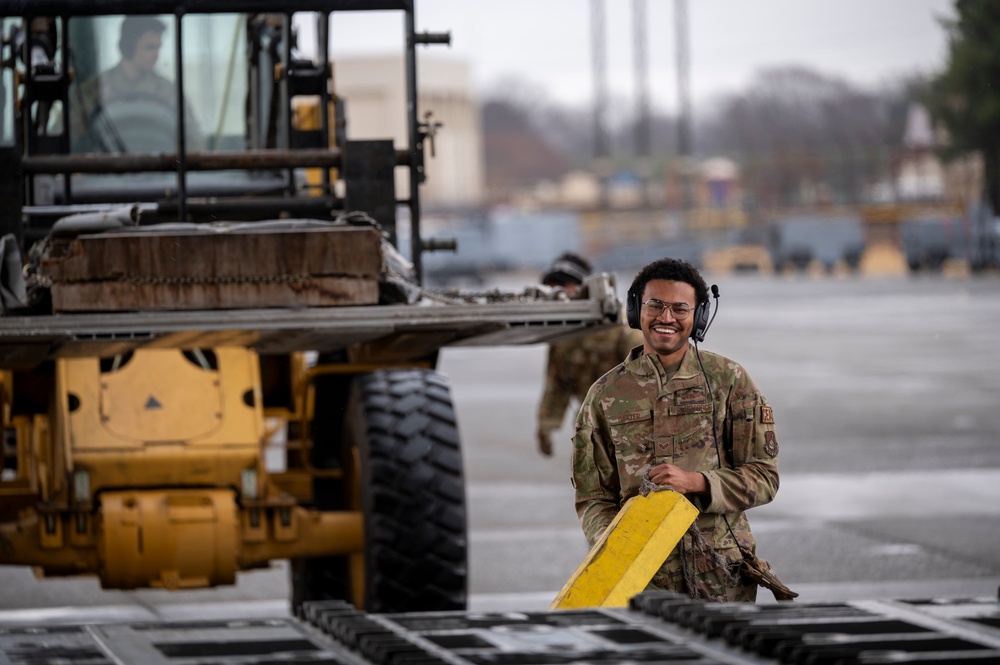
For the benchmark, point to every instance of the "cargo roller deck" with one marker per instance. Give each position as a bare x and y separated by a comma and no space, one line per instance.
657,627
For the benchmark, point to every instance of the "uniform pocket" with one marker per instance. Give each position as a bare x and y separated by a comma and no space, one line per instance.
744,429
697,437
632,431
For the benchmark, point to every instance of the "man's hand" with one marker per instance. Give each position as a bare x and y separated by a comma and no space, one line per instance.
685,482
545,442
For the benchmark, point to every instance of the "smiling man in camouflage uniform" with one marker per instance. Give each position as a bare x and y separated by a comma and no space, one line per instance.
712,440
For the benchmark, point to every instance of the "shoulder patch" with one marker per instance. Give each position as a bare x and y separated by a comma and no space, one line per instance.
766,415
770,443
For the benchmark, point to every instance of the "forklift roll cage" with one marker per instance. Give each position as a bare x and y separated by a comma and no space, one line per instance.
36,154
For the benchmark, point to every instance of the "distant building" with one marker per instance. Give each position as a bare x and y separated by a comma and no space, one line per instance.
716,194
918,175
581,189
374,91
624,189
718,184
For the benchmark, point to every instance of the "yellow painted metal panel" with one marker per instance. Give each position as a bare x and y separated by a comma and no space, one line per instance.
165,466
623,561
158,395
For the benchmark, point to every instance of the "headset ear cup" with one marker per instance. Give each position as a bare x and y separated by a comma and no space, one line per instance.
632,310
700,321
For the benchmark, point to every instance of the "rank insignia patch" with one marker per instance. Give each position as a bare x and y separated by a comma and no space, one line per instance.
766,415
770,443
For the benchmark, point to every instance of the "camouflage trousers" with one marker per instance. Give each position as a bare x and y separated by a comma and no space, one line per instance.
709,586
700,572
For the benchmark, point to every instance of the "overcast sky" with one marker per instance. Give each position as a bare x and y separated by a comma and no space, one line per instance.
547,42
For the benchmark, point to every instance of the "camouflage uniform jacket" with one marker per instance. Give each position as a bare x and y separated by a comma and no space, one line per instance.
635,417
575,363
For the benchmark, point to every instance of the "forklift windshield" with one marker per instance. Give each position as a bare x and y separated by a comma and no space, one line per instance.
125,96
213,112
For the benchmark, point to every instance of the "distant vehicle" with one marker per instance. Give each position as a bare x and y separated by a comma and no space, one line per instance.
971,239
798,242
928,243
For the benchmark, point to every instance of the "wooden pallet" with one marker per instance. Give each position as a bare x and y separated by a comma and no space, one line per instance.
186,270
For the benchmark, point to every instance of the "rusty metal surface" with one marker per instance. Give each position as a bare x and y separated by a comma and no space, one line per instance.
147,257
215,269
24,340
303,289
100,7
194,161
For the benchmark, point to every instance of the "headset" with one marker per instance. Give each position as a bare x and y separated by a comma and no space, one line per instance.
701,313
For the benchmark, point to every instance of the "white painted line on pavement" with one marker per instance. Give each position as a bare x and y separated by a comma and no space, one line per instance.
905,494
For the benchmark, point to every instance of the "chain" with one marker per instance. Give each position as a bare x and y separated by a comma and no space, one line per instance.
248,279
494,296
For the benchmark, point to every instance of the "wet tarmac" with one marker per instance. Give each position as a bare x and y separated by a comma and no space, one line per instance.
886,394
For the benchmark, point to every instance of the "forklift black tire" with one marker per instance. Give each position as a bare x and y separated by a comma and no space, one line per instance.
404,470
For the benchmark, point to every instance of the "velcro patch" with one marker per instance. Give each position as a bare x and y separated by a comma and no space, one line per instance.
691,395
685,409
766,415
630,417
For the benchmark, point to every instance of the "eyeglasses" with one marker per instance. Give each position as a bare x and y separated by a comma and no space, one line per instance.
679,310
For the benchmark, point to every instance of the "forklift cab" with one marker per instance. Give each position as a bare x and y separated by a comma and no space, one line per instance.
213,113
143,85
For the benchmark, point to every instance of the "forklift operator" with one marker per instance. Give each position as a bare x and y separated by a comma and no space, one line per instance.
131,107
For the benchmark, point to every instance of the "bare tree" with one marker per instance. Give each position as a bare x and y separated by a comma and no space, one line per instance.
798,134
796,130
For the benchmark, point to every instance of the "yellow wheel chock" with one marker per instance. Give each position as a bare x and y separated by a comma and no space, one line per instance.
629,552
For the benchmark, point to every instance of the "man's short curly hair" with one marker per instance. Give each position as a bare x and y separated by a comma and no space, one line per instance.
672,270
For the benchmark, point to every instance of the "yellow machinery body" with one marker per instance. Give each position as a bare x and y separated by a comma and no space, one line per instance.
184,255
149,472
